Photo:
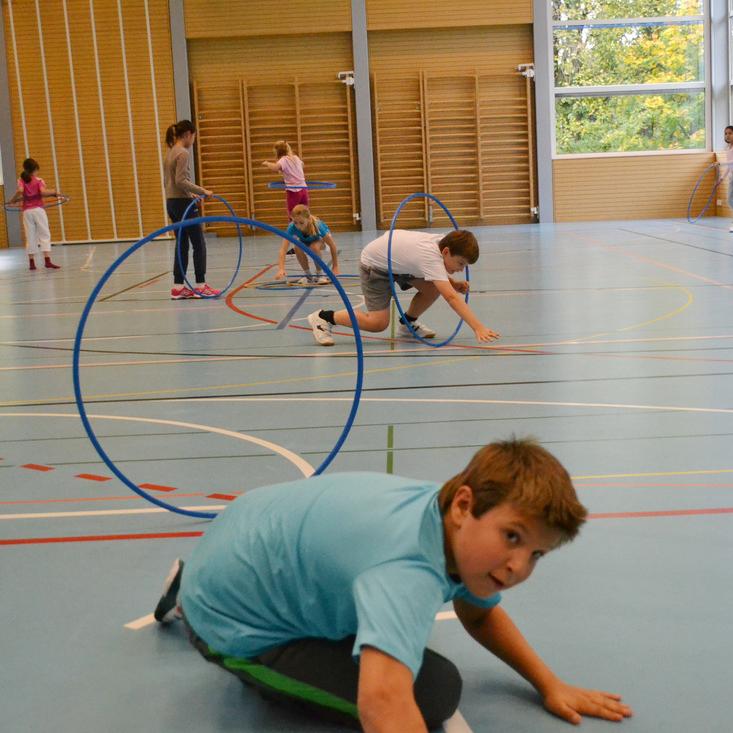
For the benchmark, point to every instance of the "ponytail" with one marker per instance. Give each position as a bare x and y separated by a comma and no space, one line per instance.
177,130
29,168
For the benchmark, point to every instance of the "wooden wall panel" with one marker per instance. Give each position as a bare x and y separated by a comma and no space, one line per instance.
633,187
463,133
109,207
722,209
391,14
239,18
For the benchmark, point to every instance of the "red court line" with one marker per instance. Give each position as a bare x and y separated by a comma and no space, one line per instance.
99,538
37,467
169,535
131,497
663,513
222,497
93,477
157,487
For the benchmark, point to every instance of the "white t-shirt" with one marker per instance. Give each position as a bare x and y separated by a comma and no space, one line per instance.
725,158
413,253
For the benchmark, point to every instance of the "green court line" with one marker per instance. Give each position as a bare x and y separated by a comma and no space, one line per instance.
390,448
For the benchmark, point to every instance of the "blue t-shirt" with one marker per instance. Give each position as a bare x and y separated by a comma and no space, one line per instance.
322,228
324,557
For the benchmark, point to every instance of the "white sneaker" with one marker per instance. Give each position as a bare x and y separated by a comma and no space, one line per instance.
306,280
420,329
322,280
321,329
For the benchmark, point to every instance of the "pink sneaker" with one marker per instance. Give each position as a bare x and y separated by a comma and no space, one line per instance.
207,292
181,292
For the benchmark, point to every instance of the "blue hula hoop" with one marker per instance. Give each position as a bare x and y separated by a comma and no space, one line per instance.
391,275
60,201
312,185
178,246
694,219
106,276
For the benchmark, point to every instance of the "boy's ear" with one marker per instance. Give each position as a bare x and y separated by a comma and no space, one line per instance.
462,502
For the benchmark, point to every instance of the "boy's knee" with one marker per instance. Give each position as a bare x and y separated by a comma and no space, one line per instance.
437,689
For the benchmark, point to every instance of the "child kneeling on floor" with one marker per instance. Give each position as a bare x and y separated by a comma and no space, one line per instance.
323,591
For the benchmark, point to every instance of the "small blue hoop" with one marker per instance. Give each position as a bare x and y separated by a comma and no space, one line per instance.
694,219
102,282
310,185
391,275
179,257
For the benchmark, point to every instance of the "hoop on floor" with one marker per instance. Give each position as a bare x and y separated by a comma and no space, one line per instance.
179,256
102,282
292,281
60,201
310,185
391,275
692,217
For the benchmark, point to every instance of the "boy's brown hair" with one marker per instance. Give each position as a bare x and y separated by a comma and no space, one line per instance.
282,147
520,472
461,243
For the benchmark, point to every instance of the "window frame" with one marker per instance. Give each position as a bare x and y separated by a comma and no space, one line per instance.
612,90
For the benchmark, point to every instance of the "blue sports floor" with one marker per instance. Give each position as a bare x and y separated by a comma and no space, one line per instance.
616,352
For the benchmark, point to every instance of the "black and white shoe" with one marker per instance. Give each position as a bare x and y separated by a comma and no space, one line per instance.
166,612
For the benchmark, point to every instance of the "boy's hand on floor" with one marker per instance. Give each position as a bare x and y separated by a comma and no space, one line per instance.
486,334
571,703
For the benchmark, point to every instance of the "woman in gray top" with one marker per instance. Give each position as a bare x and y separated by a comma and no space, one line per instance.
179,190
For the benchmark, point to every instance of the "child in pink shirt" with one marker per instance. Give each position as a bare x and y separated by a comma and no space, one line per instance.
31,192
291,168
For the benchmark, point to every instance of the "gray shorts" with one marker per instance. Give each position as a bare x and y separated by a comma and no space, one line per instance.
375,287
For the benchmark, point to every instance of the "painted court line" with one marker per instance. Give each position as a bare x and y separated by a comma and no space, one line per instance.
107,512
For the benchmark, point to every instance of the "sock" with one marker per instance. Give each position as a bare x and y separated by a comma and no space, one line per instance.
409,318
31,263
327,316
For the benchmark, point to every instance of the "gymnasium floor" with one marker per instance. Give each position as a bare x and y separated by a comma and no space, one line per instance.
615,353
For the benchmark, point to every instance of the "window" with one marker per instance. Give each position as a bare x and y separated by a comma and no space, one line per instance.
629,75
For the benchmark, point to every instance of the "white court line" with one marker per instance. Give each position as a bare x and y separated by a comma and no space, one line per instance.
445,615
107,512
456,724
88,260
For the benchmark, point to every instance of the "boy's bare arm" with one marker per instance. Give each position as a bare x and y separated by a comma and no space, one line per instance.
386,700
446,289
494,629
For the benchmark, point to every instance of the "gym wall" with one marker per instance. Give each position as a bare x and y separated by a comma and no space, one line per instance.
91,84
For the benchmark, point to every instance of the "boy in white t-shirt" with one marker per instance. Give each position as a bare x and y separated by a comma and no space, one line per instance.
420,260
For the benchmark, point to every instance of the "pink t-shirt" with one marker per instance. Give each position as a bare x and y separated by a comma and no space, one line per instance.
292,170
32,198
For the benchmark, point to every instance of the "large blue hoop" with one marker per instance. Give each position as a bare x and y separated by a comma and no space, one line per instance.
103,280
178,245
694,219
391,277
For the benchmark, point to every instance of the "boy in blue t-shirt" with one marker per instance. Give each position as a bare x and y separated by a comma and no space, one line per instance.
314,233
323,591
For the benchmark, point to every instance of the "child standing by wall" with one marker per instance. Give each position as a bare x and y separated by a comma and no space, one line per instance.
324,590
179,190
725,166
31,192
291,168
312,232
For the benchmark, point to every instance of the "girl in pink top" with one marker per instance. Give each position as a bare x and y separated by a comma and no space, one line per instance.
291,168
31,192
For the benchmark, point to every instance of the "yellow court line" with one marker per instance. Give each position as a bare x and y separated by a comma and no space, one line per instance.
178,390
655,473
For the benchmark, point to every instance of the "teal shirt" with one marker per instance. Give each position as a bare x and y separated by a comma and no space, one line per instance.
322,231
325,557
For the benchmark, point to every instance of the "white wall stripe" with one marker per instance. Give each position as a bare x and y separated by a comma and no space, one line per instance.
51,134
104,119
154,89
76,121
17,78
130,124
